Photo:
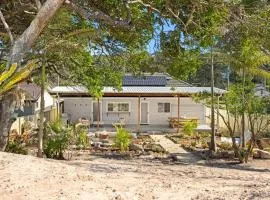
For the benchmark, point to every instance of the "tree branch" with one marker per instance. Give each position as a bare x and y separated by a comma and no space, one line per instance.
38,4
24,43
100,16
7,28
145,5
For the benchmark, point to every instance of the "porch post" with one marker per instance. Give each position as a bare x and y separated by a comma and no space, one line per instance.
139,114
178,113
98,114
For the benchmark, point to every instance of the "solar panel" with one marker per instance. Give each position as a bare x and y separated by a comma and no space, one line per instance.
144,81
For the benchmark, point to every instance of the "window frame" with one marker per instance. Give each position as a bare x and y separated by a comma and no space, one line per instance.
118,111
164,107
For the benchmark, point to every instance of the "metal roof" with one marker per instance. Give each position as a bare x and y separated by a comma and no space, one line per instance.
152,80
177,83
137,90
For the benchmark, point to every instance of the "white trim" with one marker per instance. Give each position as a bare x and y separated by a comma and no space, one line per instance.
100,110
148,121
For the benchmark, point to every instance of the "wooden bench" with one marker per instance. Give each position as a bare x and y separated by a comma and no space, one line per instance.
174,122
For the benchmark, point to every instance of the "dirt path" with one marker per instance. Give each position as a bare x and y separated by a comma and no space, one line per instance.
26,177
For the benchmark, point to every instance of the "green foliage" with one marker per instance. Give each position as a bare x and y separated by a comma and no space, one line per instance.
189,127
16,147
94,77
193,143
178,65
82,140
243,155
266,135
204,134
122,138
57,140
225,146
56,145
56,126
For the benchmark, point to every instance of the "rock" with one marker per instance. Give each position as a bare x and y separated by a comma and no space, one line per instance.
97,144
264,154
107,145
258,153
263,143
104,140
267,149
157,148
147,147
90,134
103,136
153,147
137,141
135,147
227,154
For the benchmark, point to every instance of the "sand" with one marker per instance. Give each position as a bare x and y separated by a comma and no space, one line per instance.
27,177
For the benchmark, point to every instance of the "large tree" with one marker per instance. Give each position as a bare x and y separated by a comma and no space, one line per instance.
108,30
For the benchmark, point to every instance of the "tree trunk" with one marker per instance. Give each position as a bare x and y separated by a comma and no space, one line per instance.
24,43
7,106
243,124
21,46
41,114
213,131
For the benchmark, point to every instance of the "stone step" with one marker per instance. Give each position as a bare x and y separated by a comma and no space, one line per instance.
173,149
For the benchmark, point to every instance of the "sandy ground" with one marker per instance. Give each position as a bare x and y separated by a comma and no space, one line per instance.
27,177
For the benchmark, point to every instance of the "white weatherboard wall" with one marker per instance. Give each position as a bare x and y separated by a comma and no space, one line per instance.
49,101
78,107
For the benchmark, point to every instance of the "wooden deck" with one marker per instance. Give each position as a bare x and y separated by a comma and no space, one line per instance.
174,122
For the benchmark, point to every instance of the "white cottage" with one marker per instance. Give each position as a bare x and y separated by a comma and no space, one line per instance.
151,99
32,100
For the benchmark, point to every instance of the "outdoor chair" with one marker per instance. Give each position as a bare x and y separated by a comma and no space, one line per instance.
120,123
83,122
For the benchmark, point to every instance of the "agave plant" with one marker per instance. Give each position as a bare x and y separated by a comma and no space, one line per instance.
10,78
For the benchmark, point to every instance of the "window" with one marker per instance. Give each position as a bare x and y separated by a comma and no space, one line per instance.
37,104
118,107
164,107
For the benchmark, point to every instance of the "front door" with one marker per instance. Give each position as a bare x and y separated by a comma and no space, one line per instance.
144,113
96,111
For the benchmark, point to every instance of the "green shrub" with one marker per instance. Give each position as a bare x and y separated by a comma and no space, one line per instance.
193,143
57,140
225,146
56,126
56,145
122,138
266,135
225,134
204,145
204,134
189,127
82,140
242,155
15,147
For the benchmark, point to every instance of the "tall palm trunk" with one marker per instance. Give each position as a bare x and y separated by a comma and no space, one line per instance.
41,114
